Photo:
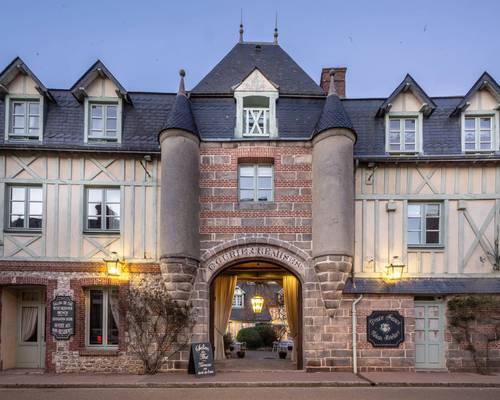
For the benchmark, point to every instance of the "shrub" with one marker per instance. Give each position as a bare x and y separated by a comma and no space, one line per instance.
251,336
268,334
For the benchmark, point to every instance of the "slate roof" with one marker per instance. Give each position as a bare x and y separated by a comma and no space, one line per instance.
270,59
422,286
333,115
302,110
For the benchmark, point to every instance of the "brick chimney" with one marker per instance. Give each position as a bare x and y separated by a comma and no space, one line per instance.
339,80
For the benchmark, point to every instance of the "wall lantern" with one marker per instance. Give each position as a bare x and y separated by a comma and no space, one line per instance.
113,265
394,271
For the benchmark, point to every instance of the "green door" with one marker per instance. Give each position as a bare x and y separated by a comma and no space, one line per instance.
429,334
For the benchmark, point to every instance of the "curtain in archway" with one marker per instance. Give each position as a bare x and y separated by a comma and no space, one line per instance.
291,297
224,292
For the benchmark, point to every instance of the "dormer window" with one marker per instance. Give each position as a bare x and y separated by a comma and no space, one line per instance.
239,298
256,116
402,134
103,122
24,119
256,98
478,133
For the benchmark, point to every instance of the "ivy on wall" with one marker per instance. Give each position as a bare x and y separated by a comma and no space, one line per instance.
475,324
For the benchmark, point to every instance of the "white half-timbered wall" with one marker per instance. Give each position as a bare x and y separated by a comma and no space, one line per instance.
64,177
470,198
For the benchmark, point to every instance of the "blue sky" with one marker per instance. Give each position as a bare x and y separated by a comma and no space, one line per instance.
445,45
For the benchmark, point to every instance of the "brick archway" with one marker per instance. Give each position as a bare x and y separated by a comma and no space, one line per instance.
239,250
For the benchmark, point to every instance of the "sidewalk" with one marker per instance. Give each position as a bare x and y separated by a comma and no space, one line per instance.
249,379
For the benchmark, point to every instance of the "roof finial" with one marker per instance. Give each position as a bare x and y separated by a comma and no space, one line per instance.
241,26
182,89
332,89
276,29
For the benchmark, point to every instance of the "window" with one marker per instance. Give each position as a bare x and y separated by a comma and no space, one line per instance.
478,133
24,119
256,116
102,317
424,224
239,298
256,182
402,134
25,207
103,122
103,209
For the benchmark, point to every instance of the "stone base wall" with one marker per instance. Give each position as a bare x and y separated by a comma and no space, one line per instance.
459,359
327,340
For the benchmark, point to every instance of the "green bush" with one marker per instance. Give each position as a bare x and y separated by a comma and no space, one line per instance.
268,334
251,336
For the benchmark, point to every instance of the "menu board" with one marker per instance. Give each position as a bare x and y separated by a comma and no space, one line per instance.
62,317
201,360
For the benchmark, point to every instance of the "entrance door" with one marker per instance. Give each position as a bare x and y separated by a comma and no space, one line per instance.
30,344
429,334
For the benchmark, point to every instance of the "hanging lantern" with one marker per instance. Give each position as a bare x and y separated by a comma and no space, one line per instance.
257,304
257,301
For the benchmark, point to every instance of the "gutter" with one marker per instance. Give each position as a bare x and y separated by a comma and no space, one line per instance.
354,336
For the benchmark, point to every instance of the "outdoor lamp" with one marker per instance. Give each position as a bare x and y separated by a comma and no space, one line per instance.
113,265
394,271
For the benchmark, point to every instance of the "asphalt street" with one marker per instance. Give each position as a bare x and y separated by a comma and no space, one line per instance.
309,393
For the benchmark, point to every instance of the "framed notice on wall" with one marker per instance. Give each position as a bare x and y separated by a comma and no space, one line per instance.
62,317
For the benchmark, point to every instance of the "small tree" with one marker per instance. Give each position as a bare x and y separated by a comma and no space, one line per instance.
158,325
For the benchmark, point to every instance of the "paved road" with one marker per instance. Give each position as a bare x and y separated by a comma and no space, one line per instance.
254,393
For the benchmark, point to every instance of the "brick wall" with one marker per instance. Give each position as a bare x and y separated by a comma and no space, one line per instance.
287,218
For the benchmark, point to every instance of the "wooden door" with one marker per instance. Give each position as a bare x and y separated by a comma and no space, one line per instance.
30,343
429,336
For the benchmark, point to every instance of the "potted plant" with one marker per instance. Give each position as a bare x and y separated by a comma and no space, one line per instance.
282,354
240,353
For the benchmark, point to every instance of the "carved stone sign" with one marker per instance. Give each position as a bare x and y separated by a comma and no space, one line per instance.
242,252
62,320
201,360
385,328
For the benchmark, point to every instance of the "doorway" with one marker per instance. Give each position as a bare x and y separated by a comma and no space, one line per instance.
236,322
23,327
429,335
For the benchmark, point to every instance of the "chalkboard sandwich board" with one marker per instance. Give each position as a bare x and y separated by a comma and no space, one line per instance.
201,360
385,328
62,317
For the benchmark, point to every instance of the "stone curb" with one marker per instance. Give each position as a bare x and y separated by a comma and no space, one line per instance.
183,385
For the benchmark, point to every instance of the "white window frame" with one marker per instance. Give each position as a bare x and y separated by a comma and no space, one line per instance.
27,201
103,215
25,98
89,138
494,115
238,298
105,299
255,182
240,131
423,227
418,117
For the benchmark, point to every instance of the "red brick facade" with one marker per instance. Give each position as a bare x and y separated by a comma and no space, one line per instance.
288,217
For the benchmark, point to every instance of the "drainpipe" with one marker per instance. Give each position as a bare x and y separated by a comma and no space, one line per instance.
354,339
